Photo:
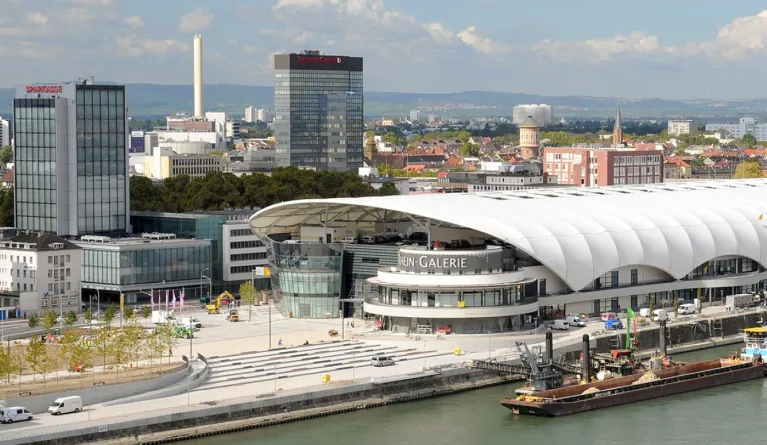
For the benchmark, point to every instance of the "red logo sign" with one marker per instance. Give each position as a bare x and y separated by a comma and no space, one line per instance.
319,59
44,89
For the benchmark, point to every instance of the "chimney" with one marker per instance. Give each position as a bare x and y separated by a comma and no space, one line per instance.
198,108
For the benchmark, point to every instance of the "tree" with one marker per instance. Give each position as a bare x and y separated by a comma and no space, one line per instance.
120,348
167,338
155,347
70,319
468,149
388,189
749,169
749,140
103,344
49,320
146,312
6,368
109,315
652,308
34,321
248,293
36,356
75,351
6,207
133,334
6,154
129,313
88,315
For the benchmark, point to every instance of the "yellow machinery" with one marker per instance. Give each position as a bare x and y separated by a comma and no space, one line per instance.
224,298
233,315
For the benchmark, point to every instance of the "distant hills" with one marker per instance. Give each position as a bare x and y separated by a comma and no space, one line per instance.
159,100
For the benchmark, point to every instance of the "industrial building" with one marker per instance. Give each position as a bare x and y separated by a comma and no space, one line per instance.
501,261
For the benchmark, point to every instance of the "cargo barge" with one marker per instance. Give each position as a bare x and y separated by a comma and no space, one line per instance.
638,387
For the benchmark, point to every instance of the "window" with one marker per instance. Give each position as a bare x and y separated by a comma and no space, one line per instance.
634,302
50,259
634,277
69,272
542,286
68,258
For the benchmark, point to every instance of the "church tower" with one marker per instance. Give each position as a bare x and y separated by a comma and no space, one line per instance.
618,129
370,147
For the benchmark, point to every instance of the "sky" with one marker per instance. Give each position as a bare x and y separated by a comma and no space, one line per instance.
654,48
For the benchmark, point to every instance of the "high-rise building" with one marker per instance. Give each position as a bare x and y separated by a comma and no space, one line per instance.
262,115
71,159
414,115
5,132
250,114
676,128
542,114
318,111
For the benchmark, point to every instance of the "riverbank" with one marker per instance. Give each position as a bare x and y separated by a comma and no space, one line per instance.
388,394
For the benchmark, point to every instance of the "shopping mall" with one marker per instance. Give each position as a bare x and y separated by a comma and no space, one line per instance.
504,261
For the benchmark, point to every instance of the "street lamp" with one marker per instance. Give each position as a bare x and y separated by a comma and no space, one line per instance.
252,286
202,275
210,289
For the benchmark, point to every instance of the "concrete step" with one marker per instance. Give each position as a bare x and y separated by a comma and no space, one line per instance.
280,351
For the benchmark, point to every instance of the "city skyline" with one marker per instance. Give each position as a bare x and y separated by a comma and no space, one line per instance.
630,51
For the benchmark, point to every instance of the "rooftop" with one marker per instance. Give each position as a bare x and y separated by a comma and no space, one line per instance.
37,241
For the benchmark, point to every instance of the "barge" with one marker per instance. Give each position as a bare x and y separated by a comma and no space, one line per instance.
638,387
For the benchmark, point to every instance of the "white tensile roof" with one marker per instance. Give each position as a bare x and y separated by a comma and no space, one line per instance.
578,233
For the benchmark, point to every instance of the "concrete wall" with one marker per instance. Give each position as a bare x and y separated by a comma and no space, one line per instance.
194,378
92,395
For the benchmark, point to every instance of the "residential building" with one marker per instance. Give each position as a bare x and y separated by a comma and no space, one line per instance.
534,255
415,115
230,247
520,176
232,129
318,115
746,125
677,127
588,166
5,132
262,115
38,272
133,267
250,114
542,114
164,163
71,159
675,169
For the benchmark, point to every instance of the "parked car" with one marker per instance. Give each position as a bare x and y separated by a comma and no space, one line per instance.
14,414
349,240
560,325
381,360
367,239
687,309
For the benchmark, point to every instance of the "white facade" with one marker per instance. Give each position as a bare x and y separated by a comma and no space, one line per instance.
541,113
744,126
250,114
43,270
211,137
219,118
5,132
262,115
676,128
604,246
414,115
243,252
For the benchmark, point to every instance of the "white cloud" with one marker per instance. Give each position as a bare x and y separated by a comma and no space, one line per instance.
134,21
298,4
37,18
79,15
737,40
135,46
484,45
600,49
196,21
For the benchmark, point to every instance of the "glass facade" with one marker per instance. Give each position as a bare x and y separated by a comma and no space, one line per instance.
318,120
502,296
35,164
126,267
306,278
101,165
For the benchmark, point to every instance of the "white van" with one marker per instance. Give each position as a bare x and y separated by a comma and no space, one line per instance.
381,360
687,309
575,321
560,325
14,414
349,240
191,322
66,405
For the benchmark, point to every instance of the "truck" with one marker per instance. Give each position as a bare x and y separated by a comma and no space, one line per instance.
162,317
739,300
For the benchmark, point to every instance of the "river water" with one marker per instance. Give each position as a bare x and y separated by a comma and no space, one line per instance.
732,414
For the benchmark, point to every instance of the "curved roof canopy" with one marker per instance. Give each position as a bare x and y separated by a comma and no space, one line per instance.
578,233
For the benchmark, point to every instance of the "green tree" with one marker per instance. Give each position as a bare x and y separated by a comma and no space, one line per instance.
652,308
120,347
388,189
49,320
248,293
146,312
129,313
75,351
103,344
88,316
6,154
155,347
36,356
749,140
167,338
6,367
109,315
34,321
6,207
749,169
70,319
468,149
133,335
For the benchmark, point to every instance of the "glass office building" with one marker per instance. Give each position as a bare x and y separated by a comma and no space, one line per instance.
306,278
70,159
318,111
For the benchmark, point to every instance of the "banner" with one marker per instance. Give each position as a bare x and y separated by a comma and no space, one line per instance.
151,299
181,303
166,300
174,299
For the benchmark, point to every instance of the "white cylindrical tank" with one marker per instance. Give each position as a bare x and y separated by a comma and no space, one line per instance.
198,76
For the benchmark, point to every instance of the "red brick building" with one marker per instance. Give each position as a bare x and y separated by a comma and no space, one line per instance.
583,166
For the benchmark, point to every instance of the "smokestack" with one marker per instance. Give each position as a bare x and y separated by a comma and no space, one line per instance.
198,108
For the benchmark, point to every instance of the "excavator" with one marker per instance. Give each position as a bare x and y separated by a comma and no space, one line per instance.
222,300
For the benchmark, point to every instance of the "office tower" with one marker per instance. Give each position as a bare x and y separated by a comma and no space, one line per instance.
318,111
71,159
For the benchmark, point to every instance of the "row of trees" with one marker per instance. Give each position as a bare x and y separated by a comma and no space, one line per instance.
109,345
218,191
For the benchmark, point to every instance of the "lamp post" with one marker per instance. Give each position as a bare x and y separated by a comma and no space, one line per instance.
252,286
202,275
210,289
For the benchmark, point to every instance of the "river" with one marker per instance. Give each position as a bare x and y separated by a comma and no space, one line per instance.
729,414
